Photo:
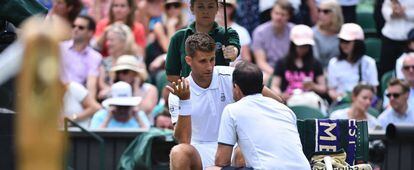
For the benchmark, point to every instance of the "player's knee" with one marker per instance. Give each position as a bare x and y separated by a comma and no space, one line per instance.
182,151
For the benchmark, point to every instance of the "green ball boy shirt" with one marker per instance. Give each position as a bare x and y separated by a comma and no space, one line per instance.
175,63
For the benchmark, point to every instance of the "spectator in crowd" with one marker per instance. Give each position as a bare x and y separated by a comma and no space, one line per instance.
349,10
362,96
119,111
244,36
408,73
163,120
399,20
78,104
398,92
299,69
248,14
196,115
67,9
120,41
172,20
409,49
272,34
326,30
80,63
239,124
352,66
99,9
132,71
228,46
155,9
121,11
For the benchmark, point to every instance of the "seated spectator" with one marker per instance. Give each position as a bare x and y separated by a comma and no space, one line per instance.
121,11
299,70
99,9
132,71
67,9
173,20
239,125
361,100
352,66
163,120
399,21
120,42
272,34
78,104
119,111
400,112
326,30
410,49
80,63
408,72
244,36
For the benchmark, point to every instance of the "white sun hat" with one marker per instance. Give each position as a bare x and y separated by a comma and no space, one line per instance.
121,96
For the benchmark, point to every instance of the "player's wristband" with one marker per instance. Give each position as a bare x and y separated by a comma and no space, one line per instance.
185,108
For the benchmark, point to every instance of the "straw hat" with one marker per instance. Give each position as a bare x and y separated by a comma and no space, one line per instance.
129,62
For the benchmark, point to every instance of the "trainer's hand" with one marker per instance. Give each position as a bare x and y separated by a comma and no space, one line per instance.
180,89
230,52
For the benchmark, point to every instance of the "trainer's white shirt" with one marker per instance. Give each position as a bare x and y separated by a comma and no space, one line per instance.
207,106
266,132
343,76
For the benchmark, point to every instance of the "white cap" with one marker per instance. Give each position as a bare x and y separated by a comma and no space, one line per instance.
302,35
351,32
121,96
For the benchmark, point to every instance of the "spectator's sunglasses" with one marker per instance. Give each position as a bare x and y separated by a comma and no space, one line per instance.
408,67
122,72
175,5
394,95
344,41
324,11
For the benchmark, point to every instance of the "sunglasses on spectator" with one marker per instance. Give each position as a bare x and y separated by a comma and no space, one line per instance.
394,95
324,11
80,27
408,67
175,5
123,72
344,41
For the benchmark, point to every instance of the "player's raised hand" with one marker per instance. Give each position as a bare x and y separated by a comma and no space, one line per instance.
180,89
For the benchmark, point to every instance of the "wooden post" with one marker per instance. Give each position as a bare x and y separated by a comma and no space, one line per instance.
40,144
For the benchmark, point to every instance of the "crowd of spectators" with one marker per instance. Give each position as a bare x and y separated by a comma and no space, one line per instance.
302,47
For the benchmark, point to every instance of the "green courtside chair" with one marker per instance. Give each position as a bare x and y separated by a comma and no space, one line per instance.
366,20
305,112
373,46
385,79
150,150
310,133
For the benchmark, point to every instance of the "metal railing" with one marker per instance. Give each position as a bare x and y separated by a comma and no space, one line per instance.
94,136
